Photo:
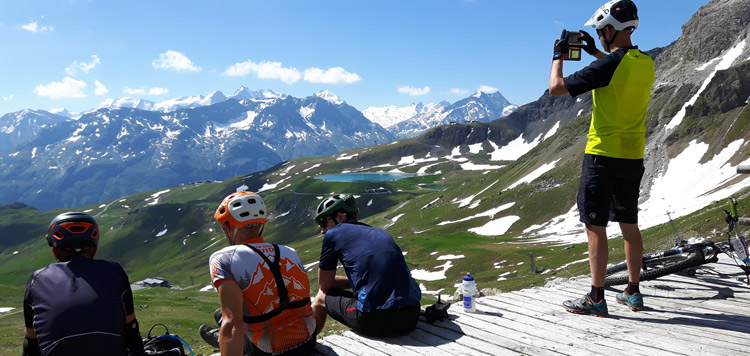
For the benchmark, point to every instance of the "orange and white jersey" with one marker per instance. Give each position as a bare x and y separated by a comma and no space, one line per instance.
241,264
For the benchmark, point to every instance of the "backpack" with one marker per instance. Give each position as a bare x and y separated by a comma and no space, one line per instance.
284,302
436,312
164,345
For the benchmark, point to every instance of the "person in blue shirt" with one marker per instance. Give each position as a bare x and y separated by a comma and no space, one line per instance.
384,298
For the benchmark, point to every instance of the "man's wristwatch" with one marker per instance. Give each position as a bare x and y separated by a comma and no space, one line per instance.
556,56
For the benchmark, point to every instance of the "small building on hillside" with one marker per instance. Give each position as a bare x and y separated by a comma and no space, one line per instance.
156,282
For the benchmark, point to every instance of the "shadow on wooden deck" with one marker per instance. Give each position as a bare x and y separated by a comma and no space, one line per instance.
705,314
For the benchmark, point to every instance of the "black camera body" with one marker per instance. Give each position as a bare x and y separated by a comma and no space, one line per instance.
575,42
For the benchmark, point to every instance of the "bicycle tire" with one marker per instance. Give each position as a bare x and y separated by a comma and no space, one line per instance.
655,268
617,268
650,263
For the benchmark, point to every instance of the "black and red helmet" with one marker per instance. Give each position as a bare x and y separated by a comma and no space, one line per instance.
73,230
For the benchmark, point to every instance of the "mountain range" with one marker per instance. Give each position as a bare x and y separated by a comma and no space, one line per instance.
128,145
412,120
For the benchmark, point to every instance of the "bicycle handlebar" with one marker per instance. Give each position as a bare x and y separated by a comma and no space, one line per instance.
743,169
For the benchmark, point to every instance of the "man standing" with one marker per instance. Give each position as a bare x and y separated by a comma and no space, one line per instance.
385,299
79,305
263,289
613,161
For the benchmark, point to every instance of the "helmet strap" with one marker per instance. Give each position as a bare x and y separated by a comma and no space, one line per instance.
230,237
56,252
336,222
608,43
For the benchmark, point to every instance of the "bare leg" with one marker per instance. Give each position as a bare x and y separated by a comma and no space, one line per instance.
598,253
320,311
633,250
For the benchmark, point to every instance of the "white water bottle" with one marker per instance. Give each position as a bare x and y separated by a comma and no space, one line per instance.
469,292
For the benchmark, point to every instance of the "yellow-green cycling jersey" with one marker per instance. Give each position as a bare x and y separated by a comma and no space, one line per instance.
621,84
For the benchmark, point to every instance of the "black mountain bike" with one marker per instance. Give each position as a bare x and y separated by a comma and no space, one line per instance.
688,255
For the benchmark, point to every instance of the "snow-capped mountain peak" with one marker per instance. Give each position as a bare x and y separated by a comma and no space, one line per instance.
215,97
330,97
126,102
409,121
186,102
388,116
243,93
190,101
64,112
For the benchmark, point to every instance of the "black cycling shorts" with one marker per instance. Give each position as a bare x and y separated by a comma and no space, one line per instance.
342,306
609,190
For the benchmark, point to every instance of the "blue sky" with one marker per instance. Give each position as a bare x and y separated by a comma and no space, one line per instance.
74,54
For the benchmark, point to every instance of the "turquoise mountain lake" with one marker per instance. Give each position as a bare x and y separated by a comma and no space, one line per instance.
365,177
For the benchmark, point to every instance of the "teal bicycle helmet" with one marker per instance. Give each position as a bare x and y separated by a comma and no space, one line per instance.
334,204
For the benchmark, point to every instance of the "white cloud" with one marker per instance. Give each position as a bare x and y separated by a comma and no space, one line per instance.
131,91
66,89
176,61
158,91
335,75
34,27
82,66
100,89
459,91
9,97
488,89
143,91
264,70
410,90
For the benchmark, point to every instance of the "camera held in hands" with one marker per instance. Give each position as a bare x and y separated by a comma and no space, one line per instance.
575,42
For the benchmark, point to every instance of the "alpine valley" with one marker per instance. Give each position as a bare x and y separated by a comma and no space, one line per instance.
128,145
495,197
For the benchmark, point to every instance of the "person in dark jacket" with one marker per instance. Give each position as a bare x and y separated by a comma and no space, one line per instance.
79,305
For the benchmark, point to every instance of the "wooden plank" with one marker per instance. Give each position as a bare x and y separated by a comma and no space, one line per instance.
706,314
693,291
701,296
666,311
611,331
500,344
323,347
443,345
383,344
610,336
644,329
353,346
518,331
529,321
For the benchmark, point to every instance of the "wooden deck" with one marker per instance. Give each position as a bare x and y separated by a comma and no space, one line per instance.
708,314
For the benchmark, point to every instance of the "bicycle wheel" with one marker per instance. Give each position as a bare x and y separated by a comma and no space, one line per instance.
654,268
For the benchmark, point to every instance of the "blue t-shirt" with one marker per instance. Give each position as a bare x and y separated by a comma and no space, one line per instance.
374,263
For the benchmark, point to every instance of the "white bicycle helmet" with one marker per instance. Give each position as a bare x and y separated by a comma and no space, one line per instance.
241,209
621,14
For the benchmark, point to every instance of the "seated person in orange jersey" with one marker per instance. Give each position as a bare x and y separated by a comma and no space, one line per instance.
263,288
